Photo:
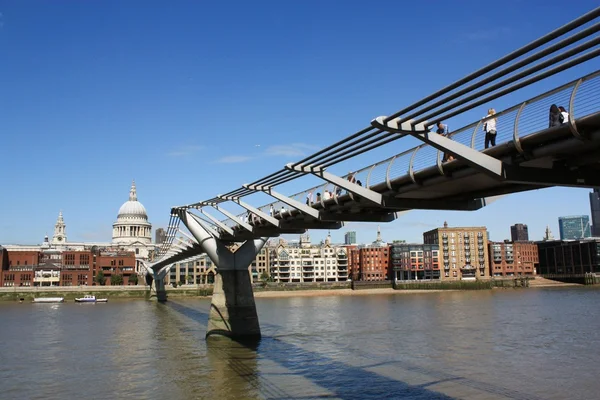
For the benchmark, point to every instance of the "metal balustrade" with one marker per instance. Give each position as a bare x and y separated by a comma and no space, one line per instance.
521,120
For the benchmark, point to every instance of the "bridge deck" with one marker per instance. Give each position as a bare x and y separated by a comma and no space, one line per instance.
456,181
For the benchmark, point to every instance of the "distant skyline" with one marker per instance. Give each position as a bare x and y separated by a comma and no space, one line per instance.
194,99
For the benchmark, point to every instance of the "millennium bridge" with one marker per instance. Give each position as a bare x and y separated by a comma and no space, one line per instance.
443,172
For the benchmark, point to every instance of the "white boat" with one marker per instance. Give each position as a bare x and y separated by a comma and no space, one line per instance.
49,300
90,298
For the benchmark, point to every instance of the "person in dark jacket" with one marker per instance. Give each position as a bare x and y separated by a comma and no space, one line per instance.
554,117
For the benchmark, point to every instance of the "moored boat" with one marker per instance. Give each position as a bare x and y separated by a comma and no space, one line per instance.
49,300
90,298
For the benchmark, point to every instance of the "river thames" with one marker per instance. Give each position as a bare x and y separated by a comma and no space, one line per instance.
500,344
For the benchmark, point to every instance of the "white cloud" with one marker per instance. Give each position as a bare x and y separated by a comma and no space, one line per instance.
290,150
233,159
184,151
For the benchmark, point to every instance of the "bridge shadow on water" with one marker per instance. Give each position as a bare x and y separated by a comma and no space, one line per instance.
341,380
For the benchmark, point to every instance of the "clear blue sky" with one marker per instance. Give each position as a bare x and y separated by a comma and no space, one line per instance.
192,99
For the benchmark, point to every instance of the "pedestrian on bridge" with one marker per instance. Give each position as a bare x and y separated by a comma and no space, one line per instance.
489,127
554,117
442,129
564,115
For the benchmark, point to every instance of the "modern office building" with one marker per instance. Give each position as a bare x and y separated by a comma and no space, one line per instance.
513,258
595,209
159,236
464,251
519,233
569,258
415,261
574,227
350,237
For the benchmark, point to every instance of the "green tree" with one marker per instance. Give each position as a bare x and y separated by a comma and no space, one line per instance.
189,279
133,279
100,279
116,280
264,277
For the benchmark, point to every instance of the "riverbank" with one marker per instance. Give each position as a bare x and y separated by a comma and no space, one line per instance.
341,292
110,292
274,290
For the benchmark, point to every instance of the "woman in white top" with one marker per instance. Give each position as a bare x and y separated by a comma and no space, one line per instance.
564,115
490,128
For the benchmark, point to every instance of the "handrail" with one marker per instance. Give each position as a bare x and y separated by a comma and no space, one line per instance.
475,126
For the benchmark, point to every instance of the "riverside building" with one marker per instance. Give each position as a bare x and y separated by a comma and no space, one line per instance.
513,258
569,258
24,268
305,262
415,261
370,262
464,251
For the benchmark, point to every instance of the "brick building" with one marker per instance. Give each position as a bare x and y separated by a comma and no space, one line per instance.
353,262
113,263
77,268
52,267
513,258
18,268
415,261
369,262
464,251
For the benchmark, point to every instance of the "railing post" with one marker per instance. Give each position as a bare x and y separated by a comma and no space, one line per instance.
368,182
516,139
387,173
572,125
439,163
475,134
411,171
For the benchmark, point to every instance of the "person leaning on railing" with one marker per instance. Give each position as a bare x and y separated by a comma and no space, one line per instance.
442,129
554,116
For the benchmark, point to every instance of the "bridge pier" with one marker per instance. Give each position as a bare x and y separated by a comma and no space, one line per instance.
232,310
158,285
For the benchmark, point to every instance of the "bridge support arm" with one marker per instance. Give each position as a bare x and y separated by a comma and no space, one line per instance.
284,199
480,161
253,210
234,218
351,187
218,223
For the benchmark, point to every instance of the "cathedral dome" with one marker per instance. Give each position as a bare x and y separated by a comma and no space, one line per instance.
132,209
132,224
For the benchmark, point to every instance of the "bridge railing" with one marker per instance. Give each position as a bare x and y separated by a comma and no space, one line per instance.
579,97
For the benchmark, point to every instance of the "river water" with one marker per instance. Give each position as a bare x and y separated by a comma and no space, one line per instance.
501,344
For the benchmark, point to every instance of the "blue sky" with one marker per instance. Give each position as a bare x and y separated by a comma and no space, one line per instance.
192,99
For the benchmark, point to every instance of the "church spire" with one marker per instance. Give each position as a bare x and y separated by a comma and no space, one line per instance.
133,192
60,230
379,234
60,220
